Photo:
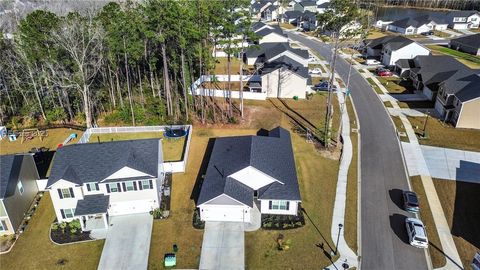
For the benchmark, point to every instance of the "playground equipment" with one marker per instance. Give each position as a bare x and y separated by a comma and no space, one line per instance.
69,138
30,133
3,132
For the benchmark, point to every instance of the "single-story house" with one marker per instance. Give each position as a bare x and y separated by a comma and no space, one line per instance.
413,26
18,188
458,99
274,34
463,19
469,44
284,78
389,49
306,5
94,181
250,174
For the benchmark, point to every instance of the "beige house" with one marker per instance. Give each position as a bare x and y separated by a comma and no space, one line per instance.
458,99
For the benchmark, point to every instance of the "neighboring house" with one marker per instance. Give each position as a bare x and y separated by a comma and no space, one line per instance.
274,34
321,8
463,19
413,26
306,5
260,26
382,24
259,7
94,181
267,52
271,13
18,188
250,174
427,72
390,49
292,16
284,78
469,44
458,99
308,21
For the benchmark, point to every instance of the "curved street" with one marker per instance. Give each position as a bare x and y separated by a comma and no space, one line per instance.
384,242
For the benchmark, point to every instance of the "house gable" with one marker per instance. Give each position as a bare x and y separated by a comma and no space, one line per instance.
223,199
253,178
127,172
62,184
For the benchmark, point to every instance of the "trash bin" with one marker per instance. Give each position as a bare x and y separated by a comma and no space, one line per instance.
175,248
295,97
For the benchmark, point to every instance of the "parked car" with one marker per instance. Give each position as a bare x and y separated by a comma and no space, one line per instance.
417,235
372,62
323,86
384,73
429,33
410,202
312,59
315,71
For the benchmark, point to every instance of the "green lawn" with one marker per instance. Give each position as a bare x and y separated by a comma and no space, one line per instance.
438,259
445,135
172,148
469,60
400,128
34,250
222,63
375,86
396,85
387,104
287,26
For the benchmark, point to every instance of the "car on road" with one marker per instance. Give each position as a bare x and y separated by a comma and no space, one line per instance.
315,71
372,62
323,86
429,33
417,235
384,72
410,202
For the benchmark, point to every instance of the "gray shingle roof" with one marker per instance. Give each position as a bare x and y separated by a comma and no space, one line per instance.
93,162
472,41
292,14
285,62
461,13
464,84
10,166
267,31
308,3
436,68
92,204
257,26
273,155
415,22
397,43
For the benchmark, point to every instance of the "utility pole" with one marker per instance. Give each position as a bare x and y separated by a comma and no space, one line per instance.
329,115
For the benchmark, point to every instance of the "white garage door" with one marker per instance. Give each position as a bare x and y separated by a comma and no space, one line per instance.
131,207
234,214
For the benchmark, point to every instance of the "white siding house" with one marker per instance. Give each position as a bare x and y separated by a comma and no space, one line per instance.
409,51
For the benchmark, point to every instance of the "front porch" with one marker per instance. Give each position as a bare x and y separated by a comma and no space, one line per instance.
92,212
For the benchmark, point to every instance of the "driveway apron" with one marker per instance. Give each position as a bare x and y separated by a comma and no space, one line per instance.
128,243
223,246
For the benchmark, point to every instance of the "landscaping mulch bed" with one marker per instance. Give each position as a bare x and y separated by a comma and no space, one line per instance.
196,222
282,222
65,236
6,242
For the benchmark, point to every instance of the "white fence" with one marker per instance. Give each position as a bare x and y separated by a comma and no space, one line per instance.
196,90
171,166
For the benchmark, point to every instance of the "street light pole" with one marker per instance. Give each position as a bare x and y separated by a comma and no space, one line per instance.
425,126
338,237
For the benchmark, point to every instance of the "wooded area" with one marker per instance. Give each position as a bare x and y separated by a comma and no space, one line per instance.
129,62
445,4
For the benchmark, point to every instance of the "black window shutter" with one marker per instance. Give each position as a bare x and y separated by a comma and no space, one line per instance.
270,205
71,193
88,187
151,183
60,193
108,188
96,186
124,186
119,187
288,205
63,213
140,185
134,185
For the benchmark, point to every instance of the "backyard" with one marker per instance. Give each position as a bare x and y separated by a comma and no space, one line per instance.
34,250
172,148
469,60
222,63
445,135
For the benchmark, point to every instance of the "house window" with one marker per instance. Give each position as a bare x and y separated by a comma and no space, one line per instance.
278,205
92,187
67,213
20,187
145,184
3,225
113,187
473,19
65,193
129,186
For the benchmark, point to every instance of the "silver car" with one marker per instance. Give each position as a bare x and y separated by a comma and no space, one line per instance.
417,235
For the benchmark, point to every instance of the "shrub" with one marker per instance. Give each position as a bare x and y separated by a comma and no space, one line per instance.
54,226
62,226
56,114
157,213
75,225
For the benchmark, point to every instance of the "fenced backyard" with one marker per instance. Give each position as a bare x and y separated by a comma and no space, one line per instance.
206,81
175,150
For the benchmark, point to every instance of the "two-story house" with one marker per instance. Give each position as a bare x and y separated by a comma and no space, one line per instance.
458,99
94,181
306,5
390,49
18,188
463,19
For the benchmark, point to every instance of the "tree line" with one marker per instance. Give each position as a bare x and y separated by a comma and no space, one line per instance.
131,62
438,4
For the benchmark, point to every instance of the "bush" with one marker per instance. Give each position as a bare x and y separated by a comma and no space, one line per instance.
54,226
57,114
157,213
75,225
62,226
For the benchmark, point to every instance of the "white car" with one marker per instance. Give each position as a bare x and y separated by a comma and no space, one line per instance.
372,62
316,71
312,59
417,235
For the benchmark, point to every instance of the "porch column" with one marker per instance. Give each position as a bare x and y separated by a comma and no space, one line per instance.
105,221
82,223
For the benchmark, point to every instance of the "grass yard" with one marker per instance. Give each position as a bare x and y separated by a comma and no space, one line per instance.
438,259
387,104
441,34
222,63
351,208
287,26
445,135
396,85
316,80
374,33
460,201
469,60
34,250
172,148
375,86
400,128
416,104
234,85
361,70
55,137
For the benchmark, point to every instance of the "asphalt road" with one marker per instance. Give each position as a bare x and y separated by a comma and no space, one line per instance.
384,241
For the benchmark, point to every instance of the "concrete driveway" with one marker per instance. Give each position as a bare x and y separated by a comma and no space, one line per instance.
128,243
223,246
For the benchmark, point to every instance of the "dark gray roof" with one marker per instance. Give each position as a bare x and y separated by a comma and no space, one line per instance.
272,155
259,50
92,204
324,5
378,42
287,63
282,47
464,84
272,8
391,42
307,14
93,162
308,3
415,22
436,68
405,63
273,29
292,14
257,26
10,166
472,41
461,13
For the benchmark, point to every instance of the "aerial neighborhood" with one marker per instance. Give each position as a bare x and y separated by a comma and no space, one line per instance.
246,134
